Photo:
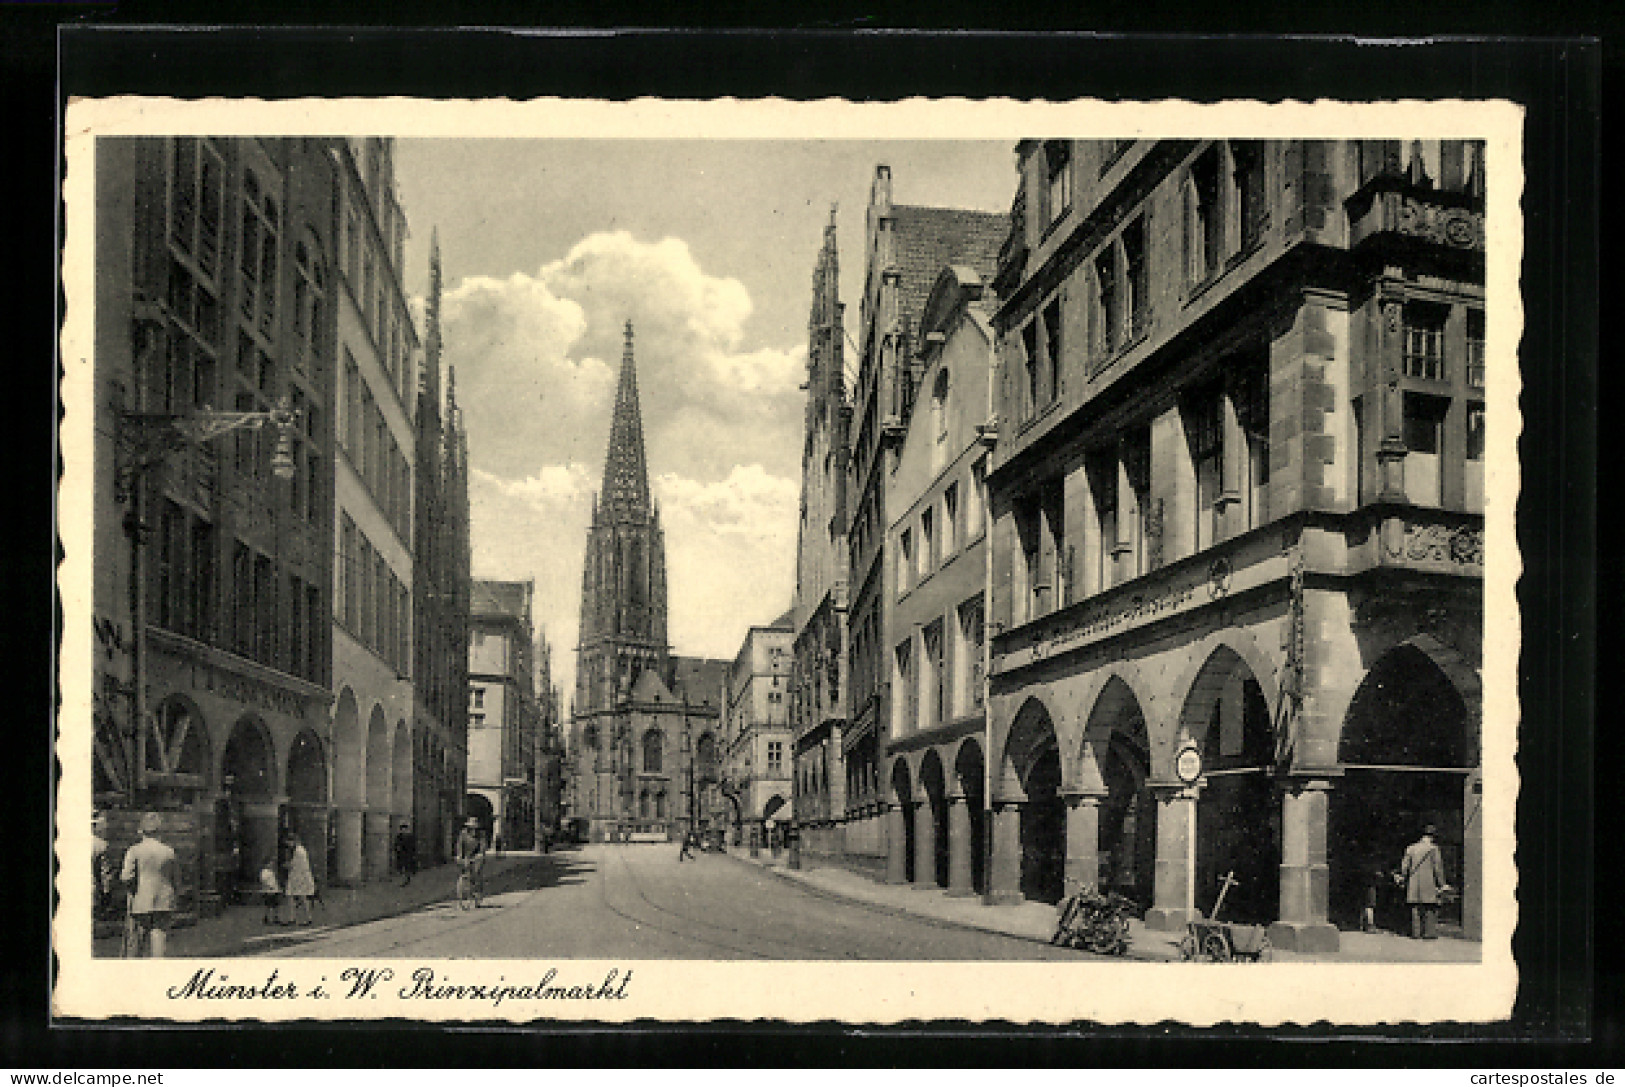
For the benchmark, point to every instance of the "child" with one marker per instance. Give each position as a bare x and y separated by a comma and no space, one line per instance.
271,896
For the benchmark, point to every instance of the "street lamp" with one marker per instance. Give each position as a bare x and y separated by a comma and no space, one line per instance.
145,442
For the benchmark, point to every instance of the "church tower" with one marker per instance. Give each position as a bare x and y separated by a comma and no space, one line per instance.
623,581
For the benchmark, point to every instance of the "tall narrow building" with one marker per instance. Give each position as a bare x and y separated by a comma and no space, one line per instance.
641,715
818,614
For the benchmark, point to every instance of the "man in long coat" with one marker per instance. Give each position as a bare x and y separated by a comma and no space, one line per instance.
1422,872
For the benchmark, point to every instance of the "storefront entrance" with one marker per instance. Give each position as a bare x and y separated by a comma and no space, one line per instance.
1409,751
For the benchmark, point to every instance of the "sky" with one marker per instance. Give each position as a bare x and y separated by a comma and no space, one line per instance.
548,247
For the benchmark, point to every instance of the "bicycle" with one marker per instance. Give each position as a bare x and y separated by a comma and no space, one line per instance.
470,887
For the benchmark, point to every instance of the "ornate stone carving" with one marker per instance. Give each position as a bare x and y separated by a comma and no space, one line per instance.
1454,227
1461,546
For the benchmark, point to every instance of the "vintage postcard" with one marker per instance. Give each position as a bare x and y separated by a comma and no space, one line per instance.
944,560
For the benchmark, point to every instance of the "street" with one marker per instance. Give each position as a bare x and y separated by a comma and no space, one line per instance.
639,902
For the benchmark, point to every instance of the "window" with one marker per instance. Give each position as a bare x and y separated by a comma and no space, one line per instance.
196,199
308,301
1251,394
1136,280
476,720
1108,302
1474,468
1034,364
200,586
905,559
1247,156
1204,219
1475,348
654,751
1033,588
1110,152
908,696
1424,341
933,711
1205,434
972,633
976,504
1424,418
1052,350
950,519
1136,455
1058,176
257,259
775,757
171,561
927,532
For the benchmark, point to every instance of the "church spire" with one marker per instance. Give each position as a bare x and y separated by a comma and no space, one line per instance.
430,378
625,492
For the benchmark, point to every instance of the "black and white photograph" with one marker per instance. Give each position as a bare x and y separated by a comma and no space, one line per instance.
806,561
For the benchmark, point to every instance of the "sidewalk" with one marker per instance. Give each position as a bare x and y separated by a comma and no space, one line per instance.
1036,920
241,930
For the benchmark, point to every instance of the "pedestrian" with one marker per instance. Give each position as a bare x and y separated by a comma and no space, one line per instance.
1368,915
1422,873
684,853
406,853
270,895
150,865
496,840
301,885
101,873
284,856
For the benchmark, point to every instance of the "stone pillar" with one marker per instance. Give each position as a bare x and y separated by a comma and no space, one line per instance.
925,845
351,834
1472,860
1175,893
896,844
1004,866
376,851
959,847
1082,872
1304,875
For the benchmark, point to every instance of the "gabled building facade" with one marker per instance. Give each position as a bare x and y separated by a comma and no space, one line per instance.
1238,534
936,752
818,613
756,732
905,248
505,720
440,600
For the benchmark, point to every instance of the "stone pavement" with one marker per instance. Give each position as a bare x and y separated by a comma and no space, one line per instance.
1036,920
241,929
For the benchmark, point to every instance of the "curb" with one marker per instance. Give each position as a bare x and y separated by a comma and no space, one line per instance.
941,922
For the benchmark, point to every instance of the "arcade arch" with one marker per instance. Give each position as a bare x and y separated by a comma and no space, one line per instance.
1118,748
1032,756
970,776
1409,749
932,866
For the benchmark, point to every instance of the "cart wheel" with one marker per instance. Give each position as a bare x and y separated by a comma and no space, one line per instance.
1217,948
1187,947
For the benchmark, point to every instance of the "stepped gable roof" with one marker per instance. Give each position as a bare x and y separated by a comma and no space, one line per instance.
926,239
499,599
701,679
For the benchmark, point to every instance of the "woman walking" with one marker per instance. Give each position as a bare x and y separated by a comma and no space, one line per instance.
301,883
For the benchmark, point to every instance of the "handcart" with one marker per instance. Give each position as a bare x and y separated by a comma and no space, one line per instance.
1223,941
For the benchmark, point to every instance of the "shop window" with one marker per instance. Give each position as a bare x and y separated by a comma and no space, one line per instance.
1424,418
1424,341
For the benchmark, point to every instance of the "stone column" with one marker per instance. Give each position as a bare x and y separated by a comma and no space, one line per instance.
925,845
959,847
1175,893
1304,875
896,844
1004,866
351,834
376,851
1082,871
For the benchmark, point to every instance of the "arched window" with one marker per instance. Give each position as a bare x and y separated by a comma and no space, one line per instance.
654,750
